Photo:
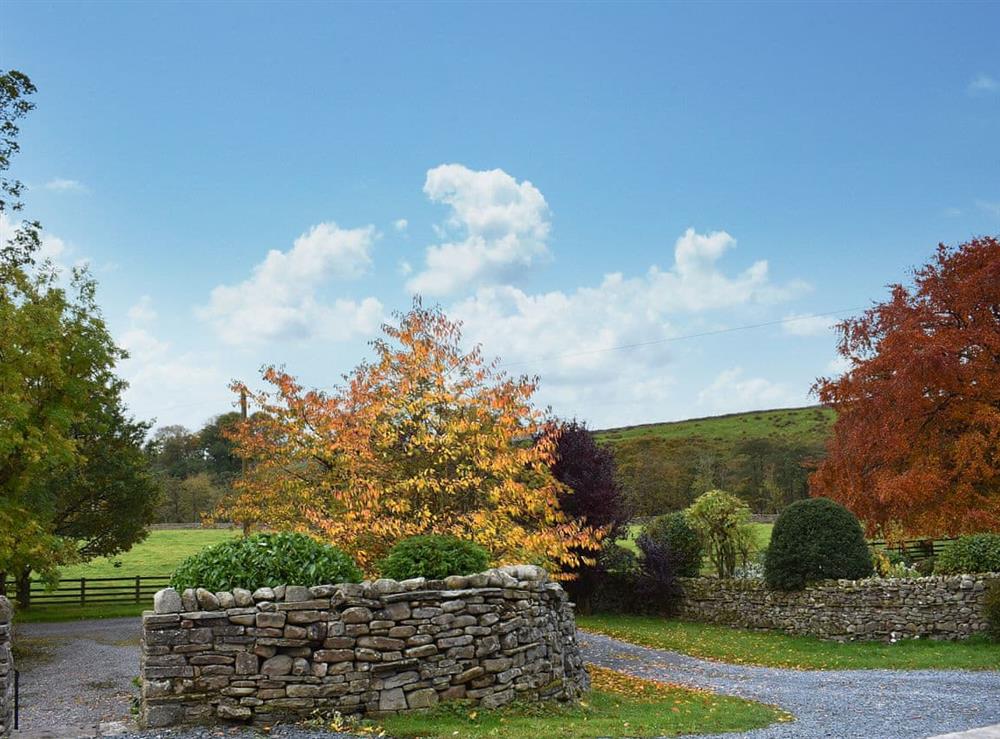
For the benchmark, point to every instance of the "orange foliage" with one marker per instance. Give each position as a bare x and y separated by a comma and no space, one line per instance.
916,445
424,439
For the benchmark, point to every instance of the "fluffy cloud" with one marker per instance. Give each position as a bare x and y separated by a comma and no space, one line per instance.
983,84
730,391
61,184
280,301
566,336
175,386
807,325
499,227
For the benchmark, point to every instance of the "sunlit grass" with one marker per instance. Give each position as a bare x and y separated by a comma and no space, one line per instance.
738,646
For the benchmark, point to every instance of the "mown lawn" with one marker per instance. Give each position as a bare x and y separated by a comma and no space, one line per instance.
618,706
737,646
158,554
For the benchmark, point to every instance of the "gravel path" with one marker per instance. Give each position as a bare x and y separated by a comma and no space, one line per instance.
76,676
875,704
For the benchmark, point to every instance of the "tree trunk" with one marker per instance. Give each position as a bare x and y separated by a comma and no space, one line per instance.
24,589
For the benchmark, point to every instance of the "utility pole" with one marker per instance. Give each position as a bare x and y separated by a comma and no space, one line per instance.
243,459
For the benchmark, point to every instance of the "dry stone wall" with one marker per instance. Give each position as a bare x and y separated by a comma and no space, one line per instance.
950,607
6,669
374,648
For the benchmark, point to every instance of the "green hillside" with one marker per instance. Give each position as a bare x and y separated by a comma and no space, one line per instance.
763,456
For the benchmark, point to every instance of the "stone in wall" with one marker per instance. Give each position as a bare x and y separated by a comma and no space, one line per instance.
6,669
372,648
940,607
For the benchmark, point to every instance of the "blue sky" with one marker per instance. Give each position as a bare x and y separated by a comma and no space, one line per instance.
264,183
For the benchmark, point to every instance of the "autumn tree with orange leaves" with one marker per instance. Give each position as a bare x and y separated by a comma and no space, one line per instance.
916,446
426,438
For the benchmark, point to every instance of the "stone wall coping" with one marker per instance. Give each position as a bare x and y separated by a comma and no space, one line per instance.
868,582
200,600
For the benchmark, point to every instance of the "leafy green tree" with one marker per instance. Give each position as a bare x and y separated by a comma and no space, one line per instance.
73,483
723,522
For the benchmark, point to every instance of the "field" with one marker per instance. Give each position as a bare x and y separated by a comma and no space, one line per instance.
159,554
765,457
803,425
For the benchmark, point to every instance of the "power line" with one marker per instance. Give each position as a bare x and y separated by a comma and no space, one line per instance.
678,338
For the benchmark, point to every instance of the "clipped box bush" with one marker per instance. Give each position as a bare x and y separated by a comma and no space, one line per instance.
265,560
973,553
434,557
673,533
815,539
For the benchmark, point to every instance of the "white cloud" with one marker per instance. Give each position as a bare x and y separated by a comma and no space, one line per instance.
142,312
983,84
838,365
730,391
53,248
566,336
280,300
182,386
400,224
61,184
500,228
807,325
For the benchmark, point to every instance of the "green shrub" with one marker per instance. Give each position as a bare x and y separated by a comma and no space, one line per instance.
992,610
265,560
434,557
815,539
974,553
617,560
674,533
722,521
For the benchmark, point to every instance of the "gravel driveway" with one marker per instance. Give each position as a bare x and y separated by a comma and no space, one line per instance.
875,704
77,675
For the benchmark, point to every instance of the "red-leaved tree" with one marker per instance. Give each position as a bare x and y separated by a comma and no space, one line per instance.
916,446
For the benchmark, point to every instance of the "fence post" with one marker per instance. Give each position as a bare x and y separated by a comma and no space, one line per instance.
83,591
137,579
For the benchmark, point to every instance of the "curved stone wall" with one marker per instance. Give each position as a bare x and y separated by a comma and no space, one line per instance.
376,647
941,607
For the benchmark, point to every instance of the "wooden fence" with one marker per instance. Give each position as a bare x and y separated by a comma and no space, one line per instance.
96,590
916,549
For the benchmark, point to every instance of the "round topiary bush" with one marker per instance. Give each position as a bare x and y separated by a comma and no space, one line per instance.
815,539
265,560
673,533
973,553
434,557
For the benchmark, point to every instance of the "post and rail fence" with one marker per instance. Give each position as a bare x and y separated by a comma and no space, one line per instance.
95,590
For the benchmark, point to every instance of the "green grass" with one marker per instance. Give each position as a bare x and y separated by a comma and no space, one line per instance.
737,646
619,706
158,554
810,424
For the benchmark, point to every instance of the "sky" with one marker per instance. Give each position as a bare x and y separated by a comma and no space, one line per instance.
265,183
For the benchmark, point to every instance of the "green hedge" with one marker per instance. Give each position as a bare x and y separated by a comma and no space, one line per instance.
815,539
973,553
434,557
265,560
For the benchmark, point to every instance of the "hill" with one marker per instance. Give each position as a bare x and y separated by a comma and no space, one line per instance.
763,456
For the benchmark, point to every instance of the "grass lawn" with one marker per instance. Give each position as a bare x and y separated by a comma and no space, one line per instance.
737,646
618,706
158,554
47,613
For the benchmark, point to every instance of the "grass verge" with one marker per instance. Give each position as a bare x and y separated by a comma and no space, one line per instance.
618,706
46,614
738,646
